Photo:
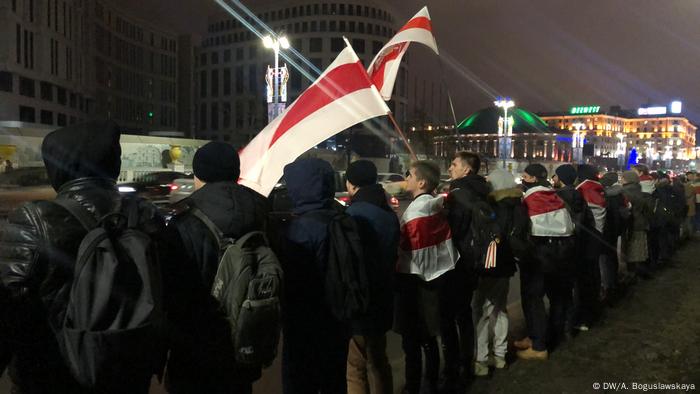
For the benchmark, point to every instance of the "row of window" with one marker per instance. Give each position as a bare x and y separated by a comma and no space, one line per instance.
245,113
314,45
132,31
307,27
128,110
47,91
307,10
134,55
28,114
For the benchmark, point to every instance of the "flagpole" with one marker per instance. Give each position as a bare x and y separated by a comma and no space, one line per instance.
401,134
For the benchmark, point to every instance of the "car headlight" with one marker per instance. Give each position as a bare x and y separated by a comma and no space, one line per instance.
126,189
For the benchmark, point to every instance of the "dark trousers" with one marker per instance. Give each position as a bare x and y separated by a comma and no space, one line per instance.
314,358
456,324
587,286
534,285
414,348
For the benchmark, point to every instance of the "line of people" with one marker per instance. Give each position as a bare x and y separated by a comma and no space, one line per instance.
438,276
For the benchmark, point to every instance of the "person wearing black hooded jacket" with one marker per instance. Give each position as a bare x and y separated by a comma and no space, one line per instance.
315,346
369,370
457,290
202,358
38,247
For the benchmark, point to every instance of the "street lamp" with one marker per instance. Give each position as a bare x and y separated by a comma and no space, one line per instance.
577,142
275,44
621,150
504,132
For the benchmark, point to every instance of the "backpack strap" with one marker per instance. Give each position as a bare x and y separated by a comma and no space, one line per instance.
253,234
218,235
76,210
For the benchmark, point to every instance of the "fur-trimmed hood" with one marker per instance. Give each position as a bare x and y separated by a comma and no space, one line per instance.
513,192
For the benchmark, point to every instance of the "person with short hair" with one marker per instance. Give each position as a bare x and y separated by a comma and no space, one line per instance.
368,369
547,273
457,326
426,253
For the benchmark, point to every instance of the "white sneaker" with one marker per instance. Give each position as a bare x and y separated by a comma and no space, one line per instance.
481,368
581,327
499,362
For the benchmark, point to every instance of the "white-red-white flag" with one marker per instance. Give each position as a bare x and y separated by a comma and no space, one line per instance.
385,66
340,98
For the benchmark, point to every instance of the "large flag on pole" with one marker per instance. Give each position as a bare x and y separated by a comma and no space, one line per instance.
340,98
385,66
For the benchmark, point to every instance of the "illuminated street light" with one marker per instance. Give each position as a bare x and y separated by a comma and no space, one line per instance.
504,131
577,142
276,44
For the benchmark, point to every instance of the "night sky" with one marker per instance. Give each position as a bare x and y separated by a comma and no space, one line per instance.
547,55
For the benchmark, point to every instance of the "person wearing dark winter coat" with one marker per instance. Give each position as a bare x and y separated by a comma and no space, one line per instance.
587,289
466,187
635,250
368,366
616,218
547,272
38,248
491,295
665,214
202,358
315,346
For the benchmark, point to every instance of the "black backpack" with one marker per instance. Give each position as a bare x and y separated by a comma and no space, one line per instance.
248,284
110,333
346,282
484,230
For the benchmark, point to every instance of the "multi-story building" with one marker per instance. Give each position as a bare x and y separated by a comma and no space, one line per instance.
662,135
231,63
44,68
72,60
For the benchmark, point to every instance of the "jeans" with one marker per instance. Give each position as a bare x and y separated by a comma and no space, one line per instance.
456,325
489,306
557,287
368,366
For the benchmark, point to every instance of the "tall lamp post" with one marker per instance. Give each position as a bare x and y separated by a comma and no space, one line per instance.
276,44
577,142
621,150
504,132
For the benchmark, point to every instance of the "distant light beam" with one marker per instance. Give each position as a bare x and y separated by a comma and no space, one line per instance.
262,24
260,36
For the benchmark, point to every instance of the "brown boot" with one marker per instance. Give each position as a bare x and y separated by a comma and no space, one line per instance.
532,354
523,344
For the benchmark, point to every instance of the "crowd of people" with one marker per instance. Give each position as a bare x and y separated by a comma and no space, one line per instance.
439,275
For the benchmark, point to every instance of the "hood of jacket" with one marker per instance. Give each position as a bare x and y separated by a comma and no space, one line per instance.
81,151
233,208
310,184
498,195
473,182
373,194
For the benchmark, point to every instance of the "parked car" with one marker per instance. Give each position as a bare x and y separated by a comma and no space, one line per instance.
155,186
394,184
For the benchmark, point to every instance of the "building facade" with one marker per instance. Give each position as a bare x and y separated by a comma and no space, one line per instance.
231,64
65,61
667,136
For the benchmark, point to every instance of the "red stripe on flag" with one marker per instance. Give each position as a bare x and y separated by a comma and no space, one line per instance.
339,82
420,22
543,202
425,231
592,192
378,71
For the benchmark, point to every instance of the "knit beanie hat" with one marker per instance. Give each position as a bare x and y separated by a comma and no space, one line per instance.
609,179
362,173
630,177
501,179
566,173
536,170
216,162
586,171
